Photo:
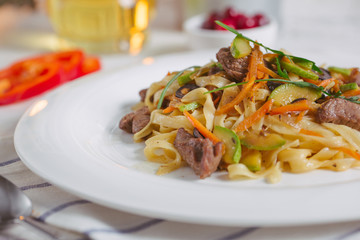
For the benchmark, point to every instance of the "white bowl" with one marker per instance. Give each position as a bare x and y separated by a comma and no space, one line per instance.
200,38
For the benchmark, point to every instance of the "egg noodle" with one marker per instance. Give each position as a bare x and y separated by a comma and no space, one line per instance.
249,109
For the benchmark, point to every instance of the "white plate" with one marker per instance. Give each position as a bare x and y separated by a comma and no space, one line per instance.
70,137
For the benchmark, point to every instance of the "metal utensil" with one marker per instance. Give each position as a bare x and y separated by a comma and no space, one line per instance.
15,206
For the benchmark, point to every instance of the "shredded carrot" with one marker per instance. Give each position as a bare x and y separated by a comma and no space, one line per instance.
336,87
326,82
266,70
260,74
302,105
320,83
300,116
244,91
287,59
256,116
201,128
256,58
271,55
169,109
316,82
216,100
349,152
309,132
351,93
251,76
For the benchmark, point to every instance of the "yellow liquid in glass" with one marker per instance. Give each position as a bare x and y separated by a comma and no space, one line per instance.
102,26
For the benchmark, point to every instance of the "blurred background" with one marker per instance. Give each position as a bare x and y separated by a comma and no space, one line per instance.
322,29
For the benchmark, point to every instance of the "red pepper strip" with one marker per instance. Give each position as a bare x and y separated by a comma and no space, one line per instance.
71,62
89,65
26,84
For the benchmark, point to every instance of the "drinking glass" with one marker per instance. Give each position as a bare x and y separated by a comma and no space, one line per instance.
101,26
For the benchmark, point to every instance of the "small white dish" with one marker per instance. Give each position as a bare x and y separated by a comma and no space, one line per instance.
200,38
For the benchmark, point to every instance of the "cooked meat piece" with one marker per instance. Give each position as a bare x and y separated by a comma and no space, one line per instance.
139,122
200,153
325,74
213,70
197,134
142,94
234,67
339,111
135,121
126,122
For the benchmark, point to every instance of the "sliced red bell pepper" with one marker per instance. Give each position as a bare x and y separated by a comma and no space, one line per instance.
90,64
34,76
71,62
29,79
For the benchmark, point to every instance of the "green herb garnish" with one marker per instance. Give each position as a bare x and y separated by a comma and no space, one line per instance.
281,54
282,73
162,96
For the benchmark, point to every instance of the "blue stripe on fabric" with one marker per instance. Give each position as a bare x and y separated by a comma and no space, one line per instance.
40,185
137,228
239,234
59,208
3,164
346,235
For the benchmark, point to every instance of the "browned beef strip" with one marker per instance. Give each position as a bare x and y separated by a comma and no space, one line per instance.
214,70
135,121
142,94
339,111
234,67
126,122
200,153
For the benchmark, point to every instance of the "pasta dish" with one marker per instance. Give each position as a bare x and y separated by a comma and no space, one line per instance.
255,112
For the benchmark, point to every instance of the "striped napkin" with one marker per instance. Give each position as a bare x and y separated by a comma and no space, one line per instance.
58,208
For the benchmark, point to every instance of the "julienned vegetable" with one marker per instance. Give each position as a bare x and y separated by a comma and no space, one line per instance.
189,106
286,93
252,160
232,144
34,76
348,87
343,71
292,67
259,142
185,78
240,47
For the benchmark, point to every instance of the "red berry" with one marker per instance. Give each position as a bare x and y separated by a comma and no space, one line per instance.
250,23
260,19
228,21
240,21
